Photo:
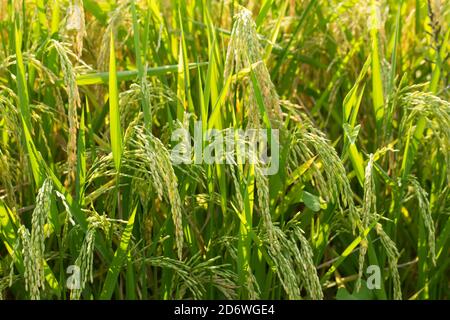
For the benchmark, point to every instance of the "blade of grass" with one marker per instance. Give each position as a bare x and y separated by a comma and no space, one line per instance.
9,223
103,77
145,104
25,112
118,260
346,253
263,12
377,78
301,21
81,161
351,104
114,116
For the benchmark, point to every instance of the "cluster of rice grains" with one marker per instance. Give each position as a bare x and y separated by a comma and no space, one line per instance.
33,246
149,160
289,250
89,213
84,262
369,216
73,105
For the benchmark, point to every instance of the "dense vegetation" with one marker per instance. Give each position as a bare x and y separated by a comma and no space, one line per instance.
92,205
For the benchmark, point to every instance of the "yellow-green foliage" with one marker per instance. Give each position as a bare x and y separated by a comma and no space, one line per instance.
92,92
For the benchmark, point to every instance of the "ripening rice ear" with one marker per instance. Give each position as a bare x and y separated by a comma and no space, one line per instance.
244,51
33,246
155,167
76,24
74,104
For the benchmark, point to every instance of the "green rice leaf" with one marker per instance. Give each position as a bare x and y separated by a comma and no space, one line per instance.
118,260
114,116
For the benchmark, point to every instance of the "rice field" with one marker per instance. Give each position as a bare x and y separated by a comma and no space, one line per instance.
129,168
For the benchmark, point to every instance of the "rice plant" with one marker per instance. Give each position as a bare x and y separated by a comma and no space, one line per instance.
136,138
